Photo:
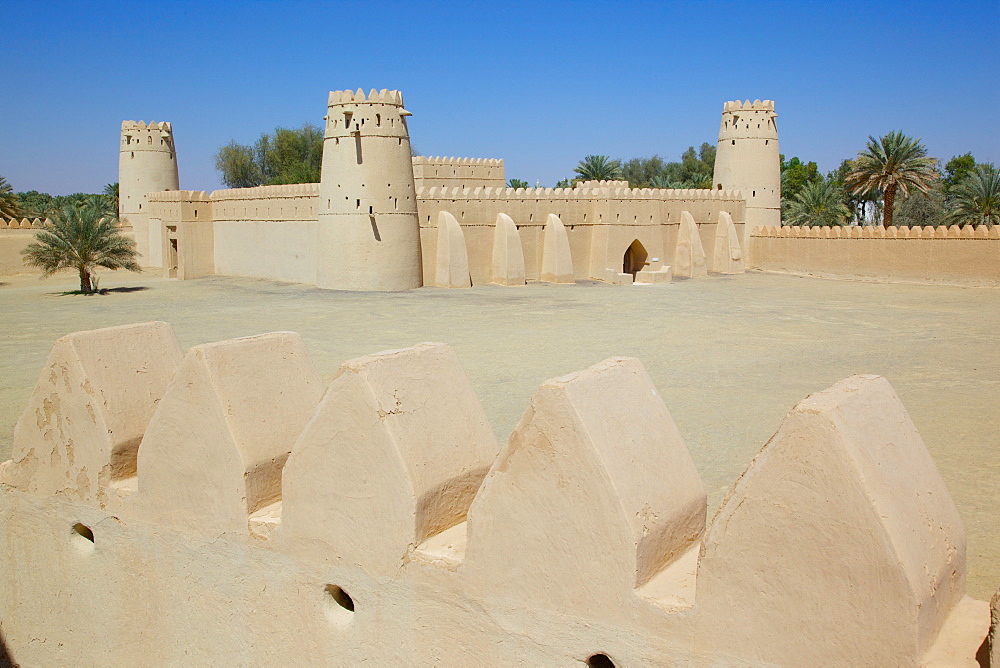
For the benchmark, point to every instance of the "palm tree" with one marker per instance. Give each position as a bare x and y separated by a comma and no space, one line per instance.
9,206
598,168
976,199
111,196
83,238
817,204
517,183
894,162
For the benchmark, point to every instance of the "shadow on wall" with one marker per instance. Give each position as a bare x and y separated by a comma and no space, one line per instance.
5,659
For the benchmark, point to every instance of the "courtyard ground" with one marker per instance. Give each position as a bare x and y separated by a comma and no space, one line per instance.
730,355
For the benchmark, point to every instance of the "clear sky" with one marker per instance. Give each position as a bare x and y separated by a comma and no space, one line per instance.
540,84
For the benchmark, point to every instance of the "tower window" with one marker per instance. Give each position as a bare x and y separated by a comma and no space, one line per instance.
734,142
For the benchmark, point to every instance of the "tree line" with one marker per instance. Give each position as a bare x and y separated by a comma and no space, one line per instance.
33,204
891,181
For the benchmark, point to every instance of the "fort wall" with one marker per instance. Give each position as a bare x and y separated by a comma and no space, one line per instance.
15,235
601,223
967,255
440,172
218,506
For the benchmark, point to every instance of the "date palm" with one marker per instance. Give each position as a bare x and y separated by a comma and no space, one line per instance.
598,168
818,204
976,199
9,206
890,164
83,238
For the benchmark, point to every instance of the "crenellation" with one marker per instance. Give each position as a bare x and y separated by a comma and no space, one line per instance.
302,511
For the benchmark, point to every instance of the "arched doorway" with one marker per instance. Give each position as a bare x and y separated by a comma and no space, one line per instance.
634,259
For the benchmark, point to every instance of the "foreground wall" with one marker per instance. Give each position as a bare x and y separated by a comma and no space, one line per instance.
220,506
930,254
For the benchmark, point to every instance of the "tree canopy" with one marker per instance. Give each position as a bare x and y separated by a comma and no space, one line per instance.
284,156
976,199
10,205
598,168
817,204
83,238
890,163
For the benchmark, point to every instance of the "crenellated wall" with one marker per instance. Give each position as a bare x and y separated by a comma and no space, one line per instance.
221,506
966,255
15,235
441,172
601,223
270,231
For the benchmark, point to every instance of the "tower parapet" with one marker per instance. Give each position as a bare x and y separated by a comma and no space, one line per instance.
368,236
748,160
147,162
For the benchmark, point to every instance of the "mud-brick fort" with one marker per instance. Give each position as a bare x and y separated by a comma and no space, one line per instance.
225,506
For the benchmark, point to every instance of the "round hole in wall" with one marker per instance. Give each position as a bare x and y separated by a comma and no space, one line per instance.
338,604
82,538
600,661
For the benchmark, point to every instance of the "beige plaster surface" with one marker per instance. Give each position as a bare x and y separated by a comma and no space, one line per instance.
729,355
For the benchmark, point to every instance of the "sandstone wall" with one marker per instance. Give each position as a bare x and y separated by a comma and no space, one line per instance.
219,507
601,223
931,254
15,235
441,172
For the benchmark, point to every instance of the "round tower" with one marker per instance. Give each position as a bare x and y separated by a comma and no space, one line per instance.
748,160
369,234
147,162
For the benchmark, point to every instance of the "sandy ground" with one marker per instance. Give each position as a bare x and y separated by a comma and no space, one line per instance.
730,355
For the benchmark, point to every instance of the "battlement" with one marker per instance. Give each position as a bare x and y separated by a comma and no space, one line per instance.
142,125
268,192
747,105
384,96
306,512
582,193
449,161
603,184
22,224
178,196
878,232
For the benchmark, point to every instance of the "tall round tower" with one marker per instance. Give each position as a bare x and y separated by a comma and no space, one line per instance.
147,162
369,235
748,160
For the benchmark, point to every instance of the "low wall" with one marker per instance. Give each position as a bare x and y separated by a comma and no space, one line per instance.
226,505
12,242
965,256
600,222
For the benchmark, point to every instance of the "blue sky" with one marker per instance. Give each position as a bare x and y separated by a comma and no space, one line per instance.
539,84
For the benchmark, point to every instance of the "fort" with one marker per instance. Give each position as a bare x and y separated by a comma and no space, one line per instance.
226,504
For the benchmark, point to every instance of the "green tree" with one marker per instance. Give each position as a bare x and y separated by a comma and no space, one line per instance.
921,209
284,156
976,199
640,172
518,183
864,207
44,205
892,163
111,197
598,168
795,174
818,203
82,238
956,169
10,206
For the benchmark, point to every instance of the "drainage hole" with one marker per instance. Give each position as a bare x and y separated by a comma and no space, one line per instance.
600,661
340,597
84,531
